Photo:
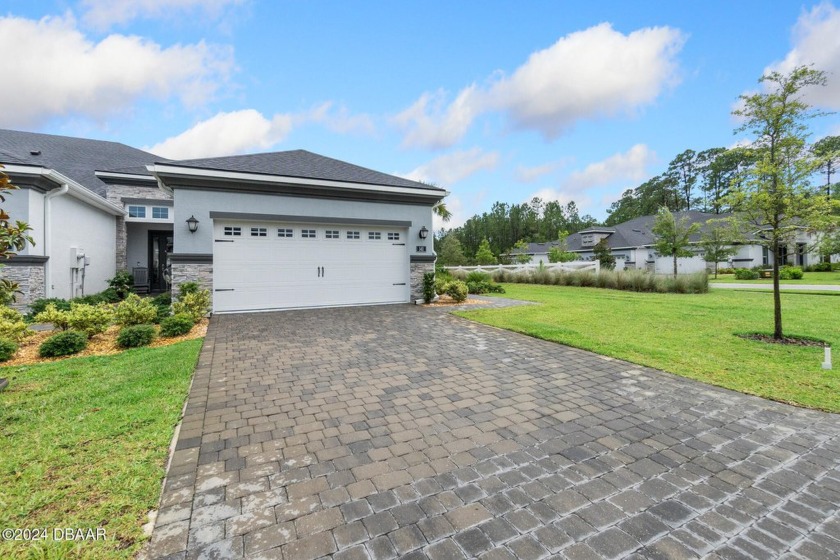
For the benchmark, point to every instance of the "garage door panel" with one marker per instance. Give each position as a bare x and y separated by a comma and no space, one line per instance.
280,272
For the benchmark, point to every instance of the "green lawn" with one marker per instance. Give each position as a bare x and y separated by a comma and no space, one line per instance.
818,278
83,444
690,335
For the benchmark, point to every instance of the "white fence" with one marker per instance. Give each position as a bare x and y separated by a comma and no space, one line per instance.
593,266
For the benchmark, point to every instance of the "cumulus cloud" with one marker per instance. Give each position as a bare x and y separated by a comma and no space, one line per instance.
226,134
53,70
451,168
583,202
102,14
456,208
429,124
598,72
338,119
627,166
531,174
816,40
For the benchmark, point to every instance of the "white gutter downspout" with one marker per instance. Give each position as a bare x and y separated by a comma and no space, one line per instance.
48,235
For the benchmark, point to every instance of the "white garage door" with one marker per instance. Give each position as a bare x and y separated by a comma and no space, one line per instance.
261,266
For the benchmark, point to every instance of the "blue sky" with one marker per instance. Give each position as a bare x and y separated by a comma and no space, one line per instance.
493,100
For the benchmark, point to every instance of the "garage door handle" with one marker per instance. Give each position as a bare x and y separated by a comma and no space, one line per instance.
223,290
224,240
398,284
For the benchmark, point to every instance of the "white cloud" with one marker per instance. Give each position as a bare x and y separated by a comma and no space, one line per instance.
531,174
102,14
598,72
816,40
340,120
52,69
627,166
451,168
226,134
428,124
583,202
456,208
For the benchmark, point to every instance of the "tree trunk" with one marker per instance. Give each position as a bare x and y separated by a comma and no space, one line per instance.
777,296
716,267
675,265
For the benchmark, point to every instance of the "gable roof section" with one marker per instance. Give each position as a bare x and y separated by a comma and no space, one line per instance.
304,165
77,158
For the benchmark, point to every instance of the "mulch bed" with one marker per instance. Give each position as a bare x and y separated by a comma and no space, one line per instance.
784,340
99,345
446,301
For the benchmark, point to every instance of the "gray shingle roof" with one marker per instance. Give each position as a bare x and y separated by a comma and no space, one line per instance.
632,233
302,164
77,158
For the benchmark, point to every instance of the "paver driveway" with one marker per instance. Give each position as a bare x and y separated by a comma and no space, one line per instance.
401,431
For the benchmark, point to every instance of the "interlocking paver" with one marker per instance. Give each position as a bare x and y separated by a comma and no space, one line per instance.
342,432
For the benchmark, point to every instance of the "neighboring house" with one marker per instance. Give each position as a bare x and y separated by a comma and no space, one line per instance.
264,231
631,243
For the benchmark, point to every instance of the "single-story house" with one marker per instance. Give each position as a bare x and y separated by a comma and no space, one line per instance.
631,243
262,231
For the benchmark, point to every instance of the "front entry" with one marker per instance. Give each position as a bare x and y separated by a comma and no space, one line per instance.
160,247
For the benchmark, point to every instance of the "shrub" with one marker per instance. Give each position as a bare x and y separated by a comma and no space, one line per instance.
60,318
106,296
136,335
9,291
10,314
7,349
90,319
163,299
121,283
63,344
746,274
819,267
187,288
40,305
14,329
790,273
428,287
134,310
477,276
176,325
457,290
484,287
195,304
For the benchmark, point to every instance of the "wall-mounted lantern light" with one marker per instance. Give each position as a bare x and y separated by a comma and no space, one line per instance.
424,232
192,224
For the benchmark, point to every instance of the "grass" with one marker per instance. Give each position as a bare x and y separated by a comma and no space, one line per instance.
817,278
84,443
689,335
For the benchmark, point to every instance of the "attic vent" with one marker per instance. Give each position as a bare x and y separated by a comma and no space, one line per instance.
35,152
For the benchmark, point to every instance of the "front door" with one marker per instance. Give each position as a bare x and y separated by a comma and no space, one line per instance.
160,246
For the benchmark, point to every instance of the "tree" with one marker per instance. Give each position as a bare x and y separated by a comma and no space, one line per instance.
13,237
775,195
441,211
673,236
451,252
718,240
828,152
560,252
683,170
521,255
484,256
604,255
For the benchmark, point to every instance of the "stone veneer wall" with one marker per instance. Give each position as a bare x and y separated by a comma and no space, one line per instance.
192,272
30,277
416,272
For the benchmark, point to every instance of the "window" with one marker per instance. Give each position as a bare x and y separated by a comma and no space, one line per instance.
331,234
352,235
233,230
160,213
374,235
307,233
136,211
258,232
393,236
285,232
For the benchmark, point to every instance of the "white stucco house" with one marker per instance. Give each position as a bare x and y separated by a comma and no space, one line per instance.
262,231
631,243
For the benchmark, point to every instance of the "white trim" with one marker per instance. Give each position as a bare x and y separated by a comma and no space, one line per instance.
115,175
157,169
75,189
